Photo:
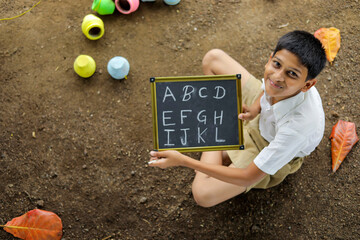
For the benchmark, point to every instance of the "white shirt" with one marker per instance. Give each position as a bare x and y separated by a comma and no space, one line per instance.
293,127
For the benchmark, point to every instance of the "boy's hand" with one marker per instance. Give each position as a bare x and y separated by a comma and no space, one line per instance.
166,159
249,113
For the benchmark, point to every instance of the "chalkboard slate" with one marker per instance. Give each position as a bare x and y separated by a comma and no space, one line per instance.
197,113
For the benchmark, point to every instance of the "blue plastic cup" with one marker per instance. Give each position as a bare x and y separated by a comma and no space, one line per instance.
118,67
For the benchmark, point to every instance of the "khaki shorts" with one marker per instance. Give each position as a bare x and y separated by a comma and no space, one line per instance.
254,142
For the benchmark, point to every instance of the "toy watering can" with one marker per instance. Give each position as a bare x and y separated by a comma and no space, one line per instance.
118,67
84,66
171,2
127,6
103,7
92,27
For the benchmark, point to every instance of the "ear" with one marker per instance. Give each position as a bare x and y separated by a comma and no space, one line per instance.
308,85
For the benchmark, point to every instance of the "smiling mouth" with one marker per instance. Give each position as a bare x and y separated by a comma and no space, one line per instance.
274,85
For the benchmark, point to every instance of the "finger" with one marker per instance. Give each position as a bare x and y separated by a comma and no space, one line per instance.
155,163
244,116
162,154
244,108
152,160
152,163
155,154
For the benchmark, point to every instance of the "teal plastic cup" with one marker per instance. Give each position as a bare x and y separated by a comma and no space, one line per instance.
172,2
103,7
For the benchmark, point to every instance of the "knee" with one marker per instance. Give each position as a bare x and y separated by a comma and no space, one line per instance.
211,57
202,196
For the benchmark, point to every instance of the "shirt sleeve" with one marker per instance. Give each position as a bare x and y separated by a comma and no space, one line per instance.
286,144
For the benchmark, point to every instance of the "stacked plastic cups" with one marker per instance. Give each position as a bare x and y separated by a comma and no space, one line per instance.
106,7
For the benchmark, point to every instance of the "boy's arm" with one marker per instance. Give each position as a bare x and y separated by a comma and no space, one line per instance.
238,176
251,112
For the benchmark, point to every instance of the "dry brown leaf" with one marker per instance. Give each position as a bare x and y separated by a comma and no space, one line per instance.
35,225
343,138
330,39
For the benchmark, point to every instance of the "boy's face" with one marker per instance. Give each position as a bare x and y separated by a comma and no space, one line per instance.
285,76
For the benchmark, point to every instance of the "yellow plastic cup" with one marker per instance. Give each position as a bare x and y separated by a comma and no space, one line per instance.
93,27
84,66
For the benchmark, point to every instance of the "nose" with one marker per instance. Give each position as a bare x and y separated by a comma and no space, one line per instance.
278,76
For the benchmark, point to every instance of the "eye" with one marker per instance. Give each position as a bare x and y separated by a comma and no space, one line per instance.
292,74
276,64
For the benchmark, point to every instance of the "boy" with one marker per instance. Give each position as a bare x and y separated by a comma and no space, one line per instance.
289,127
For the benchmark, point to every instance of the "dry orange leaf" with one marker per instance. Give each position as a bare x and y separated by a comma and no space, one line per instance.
35,225
330,39
343,138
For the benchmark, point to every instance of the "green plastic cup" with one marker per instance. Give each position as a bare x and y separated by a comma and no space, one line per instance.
103,7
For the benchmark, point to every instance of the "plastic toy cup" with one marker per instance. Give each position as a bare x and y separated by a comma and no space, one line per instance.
84,66
171,2
127,6
92,27
118,67
103,7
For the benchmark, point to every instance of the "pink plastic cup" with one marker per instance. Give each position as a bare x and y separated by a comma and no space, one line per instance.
127,6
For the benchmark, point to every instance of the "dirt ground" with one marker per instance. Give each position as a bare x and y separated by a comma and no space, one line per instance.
79,147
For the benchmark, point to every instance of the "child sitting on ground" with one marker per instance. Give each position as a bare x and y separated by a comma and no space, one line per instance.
289,127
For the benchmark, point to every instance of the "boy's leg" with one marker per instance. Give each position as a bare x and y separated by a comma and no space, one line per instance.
217,62
209,191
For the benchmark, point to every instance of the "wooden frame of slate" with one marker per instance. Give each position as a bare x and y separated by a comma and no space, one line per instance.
197,113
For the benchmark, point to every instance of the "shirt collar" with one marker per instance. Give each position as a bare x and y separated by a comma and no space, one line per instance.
284,106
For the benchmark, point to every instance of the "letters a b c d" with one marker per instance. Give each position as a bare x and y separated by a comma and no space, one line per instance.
188,90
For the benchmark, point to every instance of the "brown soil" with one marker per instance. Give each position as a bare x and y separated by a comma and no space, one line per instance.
79,147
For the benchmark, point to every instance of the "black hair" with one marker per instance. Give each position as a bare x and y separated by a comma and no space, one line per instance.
307,48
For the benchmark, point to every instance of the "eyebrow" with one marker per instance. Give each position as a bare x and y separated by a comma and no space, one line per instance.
294,69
